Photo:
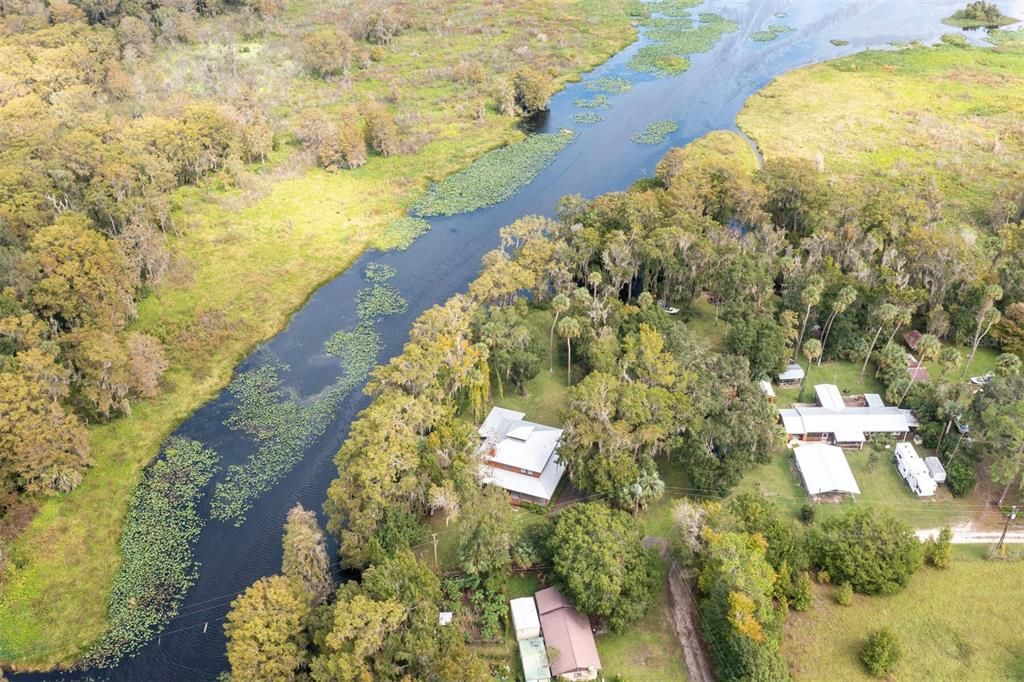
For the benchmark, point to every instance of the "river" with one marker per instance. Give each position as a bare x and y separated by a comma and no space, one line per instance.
706,97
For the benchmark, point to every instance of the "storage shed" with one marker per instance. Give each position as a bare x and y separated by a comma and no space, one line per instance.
825,470
534,656
791,376
935,469
525,619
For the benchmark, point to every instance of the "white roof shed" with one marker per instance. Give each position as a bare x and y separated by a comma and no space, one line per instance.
825,470
792,372
525,619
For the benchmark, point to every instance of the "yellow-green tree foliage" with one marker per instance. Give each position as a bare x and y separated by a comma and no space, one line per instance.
265,631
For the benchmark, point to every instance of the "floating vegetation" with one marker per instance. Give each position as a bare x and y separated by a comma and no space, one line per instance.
612,86
378,272
676,37
839,42
378,301
493,177
596,102
358,349
771,33
588,117
284,427
157,565
402,232
656,132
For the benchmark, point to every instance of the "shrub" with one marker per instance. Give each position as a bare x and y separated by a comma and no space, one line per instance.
960,478
381,131
844,595
824,577
939,553
881,652
807,512
533,89
800,599
327,52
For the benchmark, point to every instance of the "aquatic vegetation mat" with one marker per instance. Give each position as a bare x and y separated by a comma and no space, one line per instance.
588,118
402,232
771,33
157,566
494,177
609,85
378,272
655,133
674,38
595,102
378,301
358,350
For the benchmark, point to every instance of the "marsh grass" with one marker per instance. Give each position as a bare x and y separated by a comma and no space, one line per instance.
674,39
655,133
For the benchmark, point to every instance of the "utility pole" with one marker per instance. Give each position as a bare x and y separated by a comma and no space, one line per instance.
1006,527
433,537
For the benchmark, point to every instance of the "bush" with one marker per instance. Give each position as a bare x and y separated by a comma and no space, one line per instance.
872,550
844,595
807,512
327,52
881,652
939,553
824,577
533,89
800,599
960,478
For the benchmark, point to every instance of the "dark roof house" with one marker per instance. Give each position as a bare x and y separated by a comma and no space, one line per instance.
568,637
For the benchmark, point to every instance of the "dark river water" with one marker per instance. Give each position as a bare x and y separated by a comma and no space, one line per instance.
445,260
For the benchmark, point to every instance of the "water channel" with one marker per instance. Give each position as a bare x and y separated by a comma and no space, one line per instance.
442,262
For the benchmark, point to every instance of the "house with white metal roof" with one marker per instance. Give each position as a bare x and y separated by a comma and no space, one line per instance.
824,470
525,620
846,422
520,456
793,375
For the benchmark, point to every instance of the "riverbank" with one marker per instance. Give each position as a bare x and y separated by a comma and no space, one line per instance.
245,259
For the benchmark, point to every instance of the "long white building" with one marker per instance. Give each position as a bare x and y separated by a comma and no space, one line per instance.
845,422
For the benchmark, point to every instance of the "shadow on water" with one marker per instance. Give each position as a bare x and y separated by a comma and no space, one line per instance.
446,259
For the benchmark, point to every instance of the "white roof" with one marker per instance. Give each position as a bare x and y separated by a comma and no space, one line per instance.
766,386
874,400
935,467
849,436
509,440
524,614
542,487
877,417
825,470
445,617
915,468
792,372
829,397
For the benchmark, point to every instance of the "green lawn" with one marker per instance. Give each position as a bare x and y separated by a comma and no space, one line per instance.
962,623
648,650
709,329
845,375
880,484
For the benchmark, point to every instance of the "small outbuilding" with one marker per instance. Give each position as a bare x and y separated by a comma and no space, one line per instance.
534,656
825,470
766,388
793,375
912,338
935,469
914,471
525,620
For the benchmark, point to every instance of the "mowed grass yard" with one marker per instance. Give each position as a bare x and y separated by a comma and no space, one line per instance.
961,623
245,258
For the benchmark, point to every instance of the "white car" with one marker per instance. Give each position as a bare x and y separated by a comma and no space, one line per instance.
667,308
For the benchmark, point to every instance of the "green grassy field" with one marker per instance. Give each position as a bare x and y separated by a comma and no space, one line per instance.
245,258
903,116
961,623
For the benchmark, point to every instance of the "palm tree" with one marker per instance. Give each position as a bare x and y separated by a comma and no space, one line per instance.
812,351
928,348
886,314
560,304
988,315
569,328
1008,364
809,297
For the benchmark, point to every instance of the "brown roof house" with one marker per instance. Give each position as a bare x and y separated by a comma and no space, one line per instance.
567,635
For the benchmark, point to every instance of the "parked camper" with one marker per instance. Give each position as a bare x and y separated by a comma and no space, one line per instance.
914,471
